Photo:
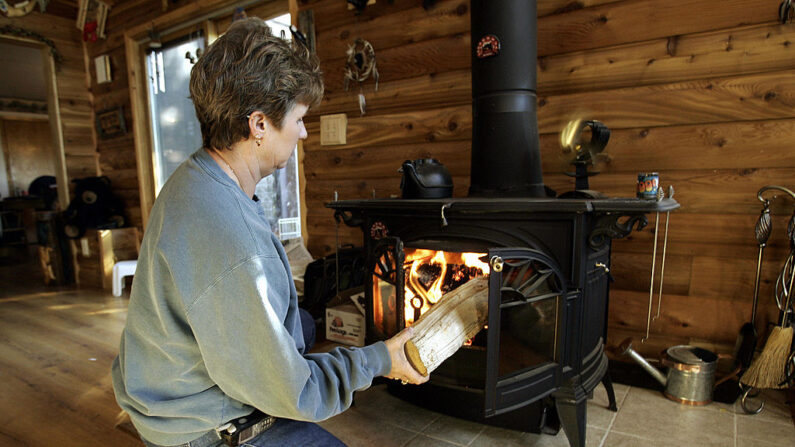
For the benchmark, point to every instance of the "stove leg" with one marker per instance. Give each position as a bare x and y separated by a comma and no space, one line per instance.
611,394
572,413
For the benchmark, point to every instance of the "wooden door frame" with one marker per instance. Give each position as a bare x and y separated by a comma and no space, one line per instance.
53,116
136,41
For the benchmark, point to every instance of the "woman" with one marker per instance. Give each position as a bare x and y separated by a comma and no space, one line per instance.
213,329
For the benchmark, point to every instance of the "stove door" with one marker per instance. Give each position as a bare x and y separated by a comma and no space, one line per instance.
385,311
526,307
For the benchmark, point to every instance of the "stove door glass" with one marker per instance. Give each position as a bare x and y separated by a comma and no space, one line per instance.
386,287
525,309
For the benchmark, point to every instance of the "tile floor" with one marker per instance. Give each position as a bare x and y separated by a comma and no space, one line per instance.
644,418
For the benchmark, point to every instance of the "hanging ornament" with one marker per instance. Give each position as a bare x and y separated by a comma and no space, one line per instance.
359,67
90,31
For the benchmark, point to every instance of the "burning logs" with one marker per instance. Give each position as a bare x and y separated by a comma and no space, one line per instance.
457,317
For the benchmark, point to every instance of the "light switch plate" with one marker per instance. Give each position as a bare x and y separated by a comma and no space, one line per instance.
333,129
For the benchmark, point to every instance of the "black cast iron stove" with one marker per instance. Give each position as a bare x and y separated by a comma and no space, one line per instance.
541,354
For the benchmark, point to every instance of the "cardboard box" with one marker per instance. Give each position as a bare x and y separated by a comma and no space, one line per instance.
345,324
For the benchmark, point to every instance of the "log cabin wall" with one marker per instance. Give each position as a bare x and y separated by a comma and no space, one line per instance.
701,93
74,103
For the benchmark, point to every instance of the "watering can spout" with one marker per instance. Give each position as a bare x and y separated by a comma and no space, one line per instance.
625,348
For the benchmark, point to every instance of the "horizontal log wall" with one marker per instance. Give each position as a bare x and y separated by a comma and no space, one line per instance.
700,93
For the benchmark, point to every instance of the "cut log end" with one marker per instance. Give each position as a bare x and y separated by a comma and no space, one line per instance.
413,356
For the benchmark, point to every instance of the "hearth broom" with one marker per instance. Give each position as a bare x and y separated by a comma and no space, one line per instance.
769,369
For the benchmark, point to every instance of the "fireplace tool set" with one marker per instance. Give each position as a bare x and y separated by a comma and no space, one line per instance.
775,366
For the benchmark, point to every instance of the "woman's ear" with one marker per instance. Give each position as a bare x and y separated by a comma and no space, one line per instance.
257,124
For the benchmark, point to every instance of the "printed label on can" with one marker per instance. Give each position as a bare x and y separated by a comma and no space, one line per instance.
648,183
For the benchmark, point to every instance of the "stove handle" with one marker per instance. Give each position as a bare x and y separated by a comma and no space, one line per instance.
496,263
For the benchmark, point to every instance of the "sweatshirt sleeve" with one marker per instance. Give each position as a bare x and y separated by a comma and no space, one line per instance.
238,323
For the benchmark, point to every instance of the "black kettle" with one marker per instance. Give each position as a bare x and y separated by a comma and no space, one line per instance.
425,178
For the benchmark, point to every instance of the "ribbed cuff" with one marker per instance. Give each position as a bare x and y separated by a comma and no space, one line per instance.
378,360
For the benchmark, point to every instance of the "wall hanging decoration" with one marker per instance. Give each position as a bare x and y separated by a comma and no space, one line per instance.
23,8
23,106
21,32
91,18
360,66
110,123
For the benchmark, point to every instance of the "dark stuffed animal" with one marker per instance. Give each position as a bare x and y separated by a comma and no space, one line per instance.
94,206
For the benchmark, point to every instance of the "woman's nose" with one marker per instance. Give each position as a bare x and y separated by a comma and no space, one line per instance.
303,133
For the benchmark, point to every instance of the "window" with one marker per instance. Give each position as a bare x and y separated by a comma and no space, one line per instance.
175,130
176,133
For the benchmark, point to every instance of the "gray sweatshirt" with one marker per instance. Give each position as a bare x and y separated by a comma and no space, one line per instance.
213,327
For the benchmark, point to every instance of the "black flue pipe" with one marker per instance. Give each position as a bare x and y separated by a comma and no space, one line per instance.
506,160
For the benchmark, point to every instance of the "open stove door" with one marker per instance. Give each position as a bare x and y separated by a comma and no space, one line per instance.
525,333
386,283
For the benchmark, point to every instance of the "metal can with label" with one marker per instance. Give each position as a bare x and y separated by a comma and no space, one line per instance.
648,183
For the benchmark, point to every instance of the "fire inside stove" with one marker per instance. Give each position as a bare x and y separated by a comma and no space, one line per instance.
430,274
425,277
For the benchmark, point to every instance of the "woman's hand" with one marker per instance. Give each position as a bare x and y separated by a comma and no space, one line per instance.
401,368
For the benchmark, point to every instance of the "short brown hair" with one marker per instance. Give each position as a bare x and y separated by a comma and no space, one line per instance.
245,70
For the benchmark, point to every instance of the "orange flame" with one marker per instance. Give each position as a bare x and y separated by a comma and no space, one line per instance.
418,298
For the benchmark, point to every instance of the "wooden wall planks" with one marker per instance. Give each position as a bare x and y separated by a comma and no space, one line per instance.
703,96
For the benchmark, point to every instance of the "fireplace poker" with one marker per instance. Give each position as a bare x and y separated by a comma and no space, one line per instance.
660,195
748,336
665,246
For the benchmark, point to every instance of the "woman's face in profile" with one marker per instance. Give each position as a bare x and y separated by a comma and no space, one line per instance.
280,143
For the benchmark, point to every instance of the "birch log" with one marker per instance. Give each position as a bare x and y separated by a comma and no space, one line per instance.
457,317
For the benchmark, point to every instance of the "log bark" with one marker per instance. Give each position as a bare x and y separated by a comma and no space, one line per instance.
440,332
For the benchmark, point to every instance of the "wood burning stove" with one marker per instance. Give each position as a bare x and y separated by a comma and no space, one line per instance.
548,264
541,354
